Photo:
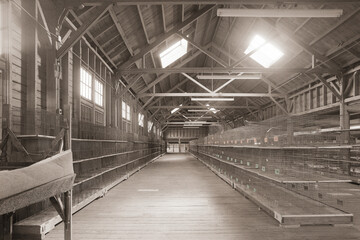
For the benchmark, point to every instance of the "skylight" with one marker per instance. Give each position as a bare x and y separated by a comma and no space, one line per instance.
173,53
175,109
213,110
266,55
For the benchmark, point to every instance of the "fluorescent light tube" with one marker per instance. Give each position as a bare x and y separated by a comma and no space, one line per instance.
280,13
228,77
213,99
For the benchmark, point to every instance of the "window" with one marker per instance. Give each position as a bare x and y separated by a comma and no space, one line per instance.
173,53
141,120
99,92
126,111
154,129
150,124
266,54
85,84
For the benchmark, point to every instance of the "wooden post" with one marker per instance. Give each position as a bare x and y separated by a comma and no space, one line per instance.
6,221
344,125
290,131
76,85
67,118
68,215
30,31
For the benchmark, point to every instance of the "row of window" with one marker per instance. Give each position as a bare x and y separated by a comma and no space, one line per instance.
86,86
86,91
126,114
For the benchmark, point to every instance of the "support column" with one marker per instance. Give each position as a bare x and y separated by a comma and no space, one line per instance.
345,126
52,91
290,131
68,215
30,31
6,227
6,84
76,88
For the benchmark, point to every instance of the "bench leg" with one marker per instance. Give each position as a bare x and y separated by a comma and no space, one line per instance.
68,215
6,223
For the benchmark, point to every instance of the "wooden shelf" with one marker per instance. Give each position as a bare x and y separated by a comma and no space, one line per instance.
315,178
45,221
99,172
282,147
110,155
287,207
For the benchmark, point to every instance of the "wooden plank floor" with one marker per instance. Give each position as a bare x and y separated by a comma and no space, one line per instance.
177,197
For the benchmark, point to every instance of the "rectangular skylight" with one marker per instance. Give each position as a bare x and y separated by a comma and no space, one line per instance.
266,53
175,109
173,53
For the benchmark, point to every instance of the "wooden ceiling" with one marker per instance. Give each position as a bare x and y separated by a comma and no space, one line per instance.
129,36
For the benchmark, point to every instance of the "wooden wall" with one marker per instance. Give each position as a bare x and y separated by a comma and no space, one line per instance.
37,95
175,134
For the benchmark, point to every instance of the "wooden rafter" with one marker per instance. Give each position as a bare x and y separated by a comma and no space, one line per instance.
93,39
120,30
163,17
338,24
204,50
143,24
193,94
90,47
276,102
163,76
169,91
337,95
77,3
165,36
81,31
170,70
331,64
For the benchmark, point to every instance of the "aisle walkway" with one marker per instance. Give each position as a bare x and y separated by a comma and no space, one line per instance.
177,197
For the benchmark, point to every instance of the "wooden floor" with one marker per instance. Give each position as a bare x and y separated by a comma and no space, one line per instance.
177,197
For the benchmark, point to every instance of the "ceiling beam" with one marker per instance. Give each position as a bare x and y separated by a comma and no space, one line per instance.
120,30
165,36
75,36
130,85
338,24
205,51
77,3
163,17
323,80
143,24
170,70
208,95
163,76
93,39
89,45
331,64
196,82
169,91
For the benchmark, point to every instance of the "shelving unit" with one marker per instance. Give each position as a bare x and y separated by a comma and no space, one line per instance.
99,165
299,178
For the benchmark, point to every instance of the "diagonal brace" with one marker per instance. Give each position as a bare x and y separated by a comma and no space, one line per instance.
337,95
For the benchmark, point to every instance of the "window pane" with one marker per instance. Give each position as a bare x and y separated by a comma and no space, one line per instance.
150,124
123,109
85,84
128,113
99,92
